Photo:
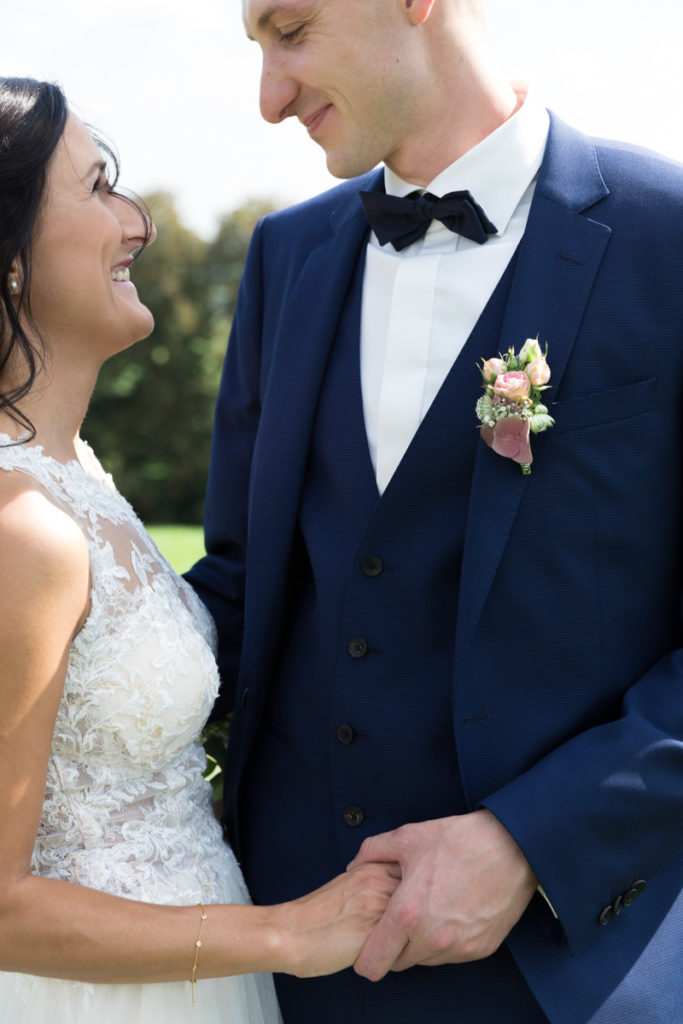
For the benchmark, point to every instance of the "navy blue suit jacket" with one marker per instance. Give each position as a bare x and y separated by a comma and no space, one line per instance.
568,665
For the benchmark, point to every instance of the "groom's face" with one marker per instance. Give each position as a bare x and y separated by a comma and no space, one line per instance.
340,67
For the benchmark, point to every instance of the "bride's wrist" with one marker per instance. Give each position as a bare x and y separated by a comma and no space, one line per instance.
276,939
289,940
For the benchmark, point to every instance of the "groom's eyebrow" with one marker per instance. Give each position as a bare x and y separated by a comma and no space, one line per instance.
291,10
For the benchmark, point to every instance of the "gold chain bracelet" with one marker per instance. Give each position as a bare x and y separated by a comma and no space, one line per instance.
197,947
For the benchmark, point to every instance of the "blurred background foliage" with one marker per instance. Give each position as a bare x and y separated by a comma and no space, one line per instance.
151,415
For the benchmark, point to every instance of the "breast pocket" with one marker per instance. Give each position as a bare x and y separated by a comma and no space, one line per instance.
604,407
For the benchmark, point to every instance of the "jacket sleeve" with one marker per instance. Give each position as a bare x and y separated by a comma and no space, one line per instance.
603,813
219,577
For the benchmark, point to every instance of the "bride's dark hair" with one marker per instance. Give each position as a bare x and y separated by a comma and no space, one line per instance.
33,117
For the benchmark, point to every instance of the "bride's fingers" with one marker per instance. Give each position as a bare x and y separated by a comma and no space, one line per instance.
329,926
384,947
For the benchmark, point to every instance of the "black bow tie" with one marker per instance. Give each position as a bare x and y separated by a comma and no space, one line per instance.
403,220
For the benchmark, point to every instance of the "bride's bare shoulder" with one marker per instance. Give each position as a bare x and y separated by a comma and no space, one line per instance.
43,553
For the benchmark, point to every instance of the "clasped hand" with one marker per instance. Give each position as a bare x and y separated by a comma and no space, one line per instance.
464,885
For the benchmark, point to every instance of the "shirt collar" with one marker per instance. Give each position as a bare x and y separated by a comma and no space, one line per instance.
497,171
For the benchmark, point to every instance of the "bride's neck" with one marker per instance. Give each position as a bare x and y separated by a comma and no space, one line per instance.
56,406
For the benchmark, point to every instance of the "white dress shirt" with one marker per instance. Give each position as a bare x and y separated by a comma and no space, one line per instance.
421,304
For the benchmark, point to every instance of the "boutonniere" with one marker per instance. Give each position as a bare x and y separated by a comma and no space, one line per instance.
511,408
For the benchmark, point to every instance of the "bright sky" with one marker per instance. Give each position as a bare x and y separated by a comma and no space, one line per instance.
175,85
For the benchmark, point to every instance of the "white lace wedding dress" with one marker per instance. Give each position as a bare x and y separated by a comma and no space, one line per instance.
126,808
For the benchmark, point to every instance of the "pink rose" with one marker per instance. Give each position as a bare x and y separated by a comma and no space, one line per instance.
510,438
538,371
491,369
513,385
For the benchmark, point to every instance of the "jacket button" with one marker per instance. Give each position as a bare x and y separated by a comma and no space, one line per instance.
372,566
244,698
358,648
345,733
606,915
353,816
634,892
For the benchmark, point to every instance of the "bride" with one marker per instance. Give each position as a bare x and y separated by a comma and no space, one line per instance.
117,891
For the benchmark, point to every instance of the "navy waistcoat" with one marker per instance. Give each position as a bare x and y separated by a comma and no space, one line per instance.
373,603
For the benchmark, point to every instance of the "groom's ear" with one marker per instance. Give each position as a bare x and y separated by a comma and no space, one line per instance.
418,10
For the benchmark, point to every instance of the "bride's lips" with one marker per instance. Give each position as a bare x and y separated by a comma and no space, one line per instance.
313,122
120,272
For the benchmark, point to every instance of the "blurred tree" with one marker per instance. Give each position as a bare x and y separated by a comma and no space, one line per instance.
151,415
227,253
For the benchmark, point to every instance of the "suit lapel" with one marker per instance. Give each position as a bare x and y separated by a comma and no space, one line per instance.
304,336
559,258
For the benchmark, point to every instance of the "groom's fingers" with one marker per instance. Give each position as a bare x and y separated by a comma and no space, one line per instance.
383,848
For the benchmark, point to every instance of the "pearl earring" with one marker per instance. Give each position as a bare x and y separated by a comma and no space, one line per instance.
14,286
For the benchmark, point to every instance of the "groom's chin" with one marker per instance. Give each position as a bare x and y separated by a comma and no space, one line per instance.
345,166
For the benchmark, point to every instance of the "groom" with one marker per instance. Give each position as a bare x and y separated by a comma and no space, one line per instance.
434,658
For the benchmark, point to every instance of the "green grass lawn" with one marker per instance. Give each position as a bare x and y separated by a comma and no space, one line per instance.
181,545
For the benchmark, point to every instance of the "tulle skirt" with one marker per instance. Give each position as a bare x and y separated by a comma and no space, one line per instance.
244,999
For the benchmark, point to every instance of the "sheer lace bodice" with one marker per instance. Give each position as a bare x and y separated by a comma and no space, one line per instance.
125,803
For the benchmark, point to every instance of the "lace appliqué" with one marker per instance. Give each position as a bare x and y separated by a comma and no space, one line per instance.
126,808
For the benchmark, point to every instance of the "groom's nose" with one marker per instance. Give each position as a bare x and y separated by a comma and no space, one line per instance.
278,91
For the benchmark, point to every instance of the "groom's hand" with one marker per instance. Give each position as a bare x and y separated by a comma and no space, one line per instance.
465,884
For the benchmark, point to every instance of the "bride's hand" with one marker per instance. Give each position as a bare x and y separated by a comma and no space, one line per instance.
324,931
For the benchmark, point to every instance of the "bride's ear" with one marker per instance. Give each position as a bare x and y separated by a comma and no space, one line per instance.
14,281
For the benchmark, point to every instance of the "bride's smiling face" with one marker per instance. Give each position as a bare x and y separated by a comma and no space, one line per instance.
82,252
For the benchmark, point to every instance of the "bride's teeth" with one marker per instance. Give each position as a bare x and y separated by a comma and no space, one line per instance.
122,274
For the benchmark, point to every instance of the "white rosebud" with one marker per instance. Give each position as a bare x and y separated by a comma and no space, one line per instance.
530,351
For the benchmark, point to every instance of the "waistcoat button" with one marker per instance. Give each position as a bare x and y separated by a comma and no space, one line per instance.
372,566
353,816
345,733
358,648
